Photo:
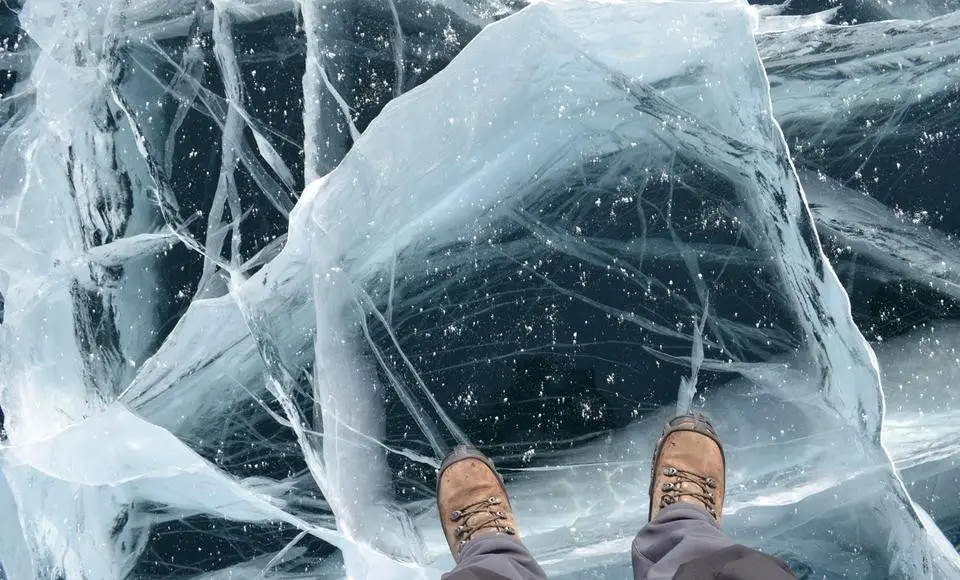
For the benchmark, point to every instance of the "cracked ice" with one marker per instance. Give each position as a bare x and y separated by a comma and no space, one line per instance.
264,263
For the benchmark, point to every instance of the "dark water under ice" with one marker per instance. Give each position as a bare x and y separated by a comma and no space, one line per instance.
551,331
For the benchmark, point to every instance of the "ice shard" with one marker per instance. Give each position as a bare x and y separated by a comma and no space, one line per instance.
264,263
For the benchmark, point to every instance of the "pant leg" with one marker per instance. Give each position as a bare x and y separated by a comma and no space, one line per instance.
687,539
680,533
495,557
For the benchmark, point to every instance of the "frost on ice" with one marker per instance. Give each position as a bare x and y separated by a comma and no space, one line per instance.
264,264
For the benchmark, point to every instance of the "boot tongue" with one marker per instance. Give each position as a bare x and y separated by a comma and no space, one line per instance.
689,487
483,514
474,520
491,518
486,532
683,490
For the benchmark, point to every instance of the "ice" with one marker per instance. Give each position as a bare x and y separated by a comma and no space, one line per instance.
264,263
892,247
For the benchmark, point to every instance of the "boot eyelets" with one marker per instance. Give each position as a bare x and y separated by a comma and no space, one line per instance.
509,530
667,487
500,514
667,500
711,483
493,500
458,531
670,471
462,543
456,515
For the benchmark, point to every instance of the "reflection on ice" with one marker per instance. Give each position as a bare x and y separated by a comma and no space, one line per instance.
585,220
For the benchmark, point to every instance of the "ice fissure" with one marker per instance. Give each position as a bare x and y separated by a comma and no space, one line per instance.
264,263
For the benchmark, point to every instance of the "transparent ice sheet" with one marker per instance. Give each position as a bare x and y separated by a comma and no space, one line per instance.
264,264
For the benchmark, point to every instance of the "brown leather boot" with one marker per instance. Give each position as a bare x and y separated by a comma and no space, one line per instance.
471,499
688,466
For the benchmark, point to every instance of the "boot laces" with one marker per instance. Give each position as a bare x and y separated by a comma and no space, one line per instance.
703,491
480,515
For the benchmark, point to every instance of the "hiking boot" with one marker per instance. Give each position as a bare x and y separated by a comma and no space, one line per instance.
471,499
688,467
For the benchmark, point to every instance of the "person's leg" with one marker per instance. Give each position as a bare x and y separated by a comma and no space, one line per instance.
478,521
680,533
495,557
683,540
